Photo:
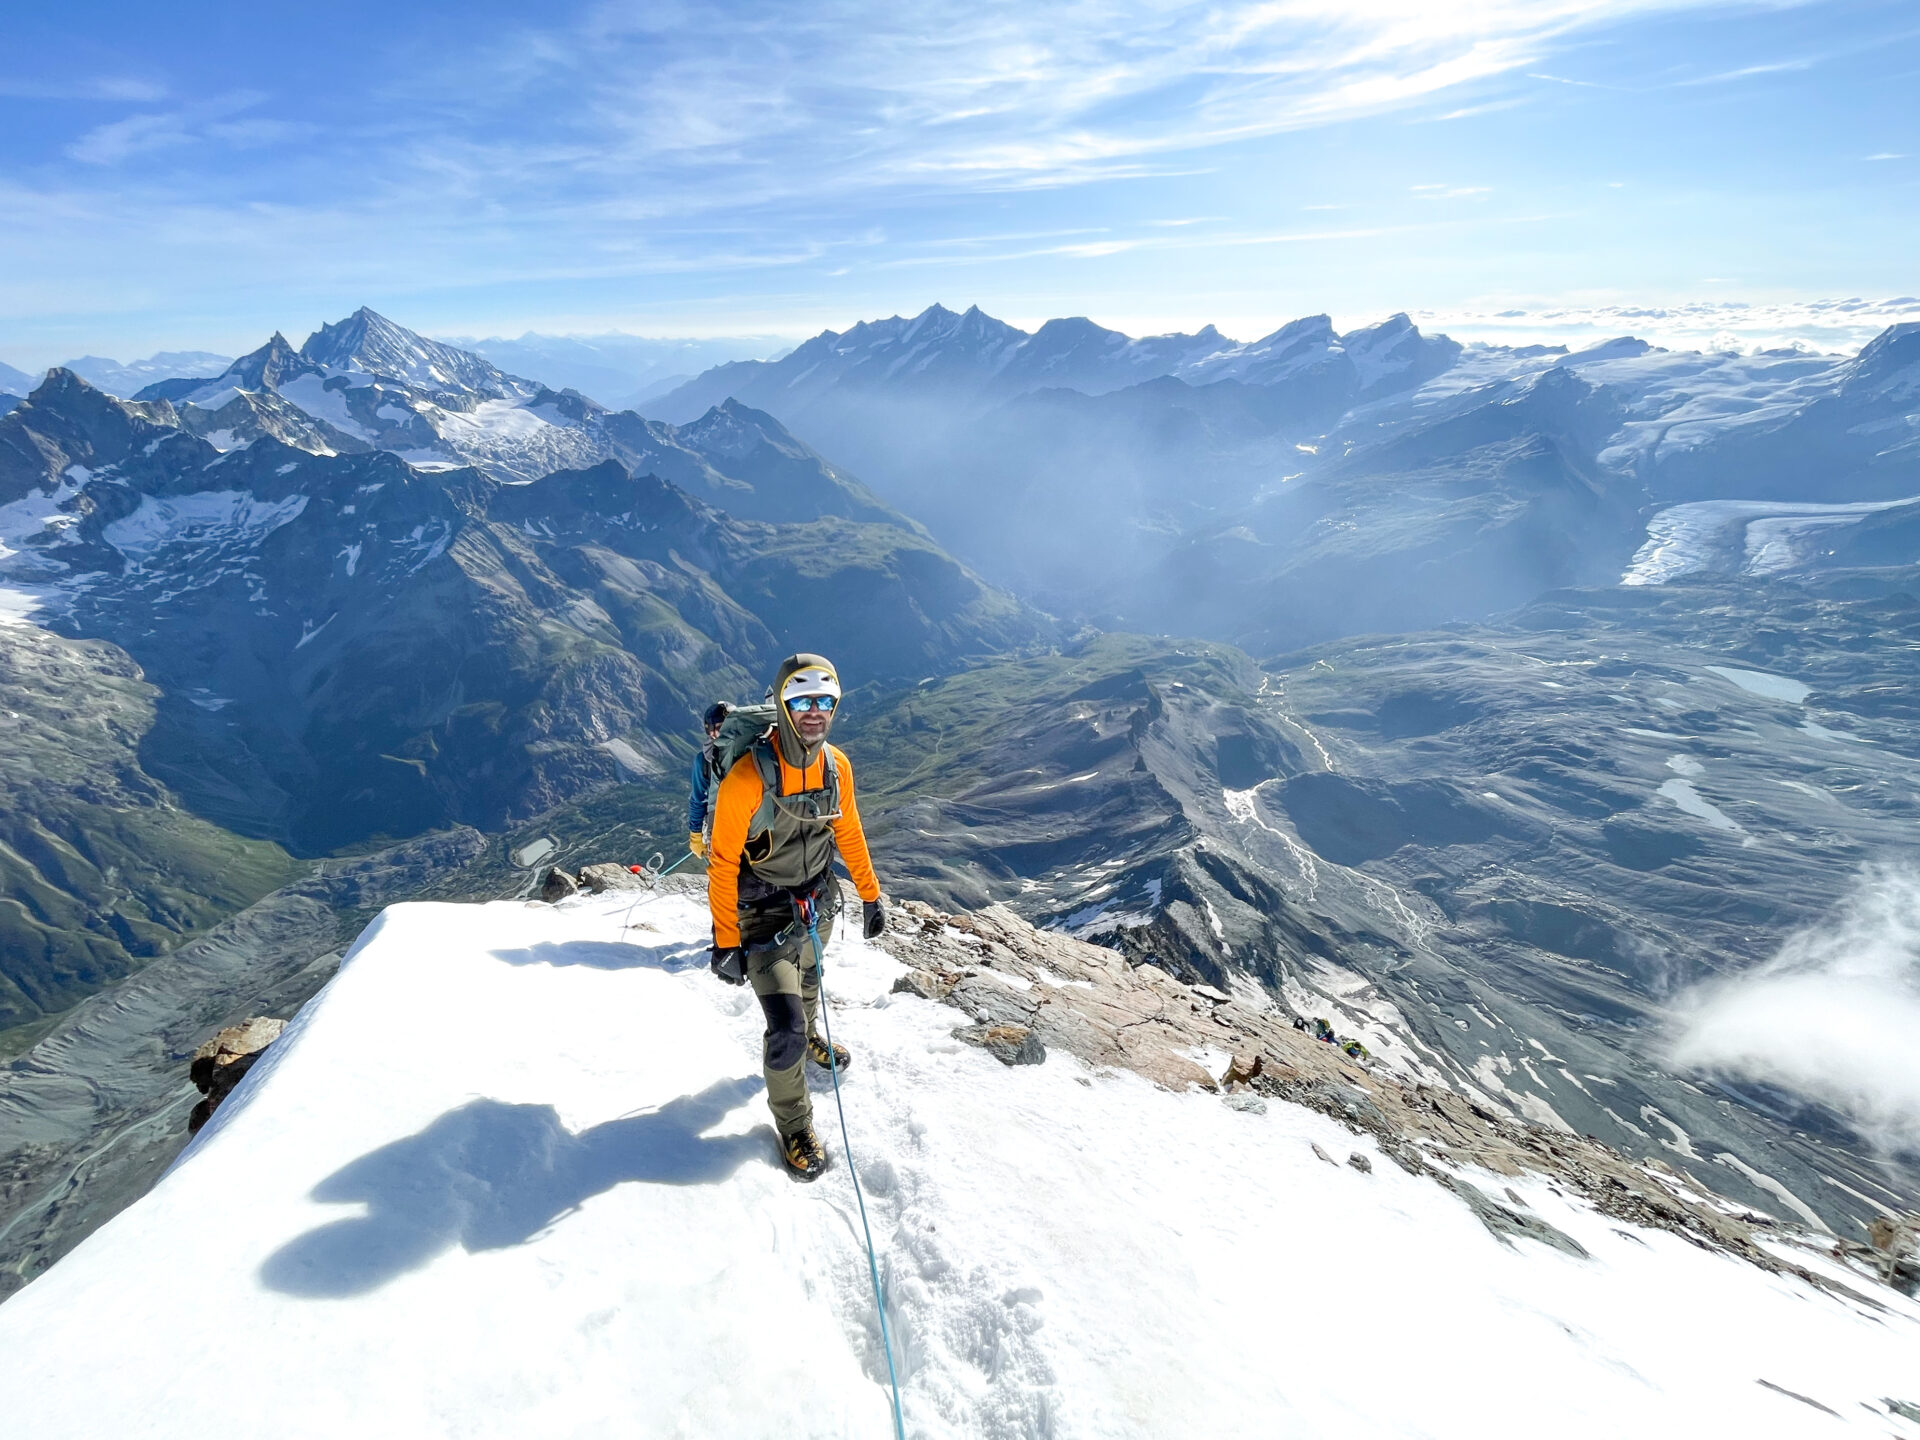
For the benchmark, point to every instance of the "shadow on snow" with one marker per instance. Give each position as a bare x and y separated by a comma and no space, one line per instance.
609,955
490,1175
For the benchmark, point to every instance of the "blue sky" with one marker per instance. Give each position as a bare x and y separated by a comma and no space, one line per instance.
196,175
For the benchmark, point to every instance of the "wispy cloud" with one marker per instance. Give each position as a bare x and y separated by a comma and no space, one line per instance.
1832,1016
146,133
950,95
1491,107
1747,72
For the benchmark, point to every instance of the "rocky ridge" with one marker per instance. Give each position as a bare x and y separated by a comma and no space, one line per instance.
1038,987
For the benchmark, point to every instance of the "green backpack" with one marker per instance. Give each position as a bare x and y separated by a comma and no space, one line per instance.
748,730
744,727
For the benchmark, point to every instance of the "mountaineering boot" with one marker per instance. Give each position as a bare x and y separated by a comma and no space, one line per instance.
805,1159
817,1052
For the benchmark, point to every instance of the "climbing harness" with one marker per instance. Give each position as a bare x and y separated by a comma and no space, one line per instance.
809,914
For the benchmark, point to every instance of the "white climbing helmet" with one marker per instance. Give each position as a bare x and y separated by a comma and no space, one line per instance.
814,678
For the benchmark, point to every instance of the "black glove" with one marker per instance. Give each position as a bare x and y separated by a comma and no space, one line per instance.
873,918
729,962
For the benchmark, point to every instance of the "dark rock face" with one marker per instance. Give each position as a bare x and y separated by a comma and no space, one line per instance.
558,886
222,1062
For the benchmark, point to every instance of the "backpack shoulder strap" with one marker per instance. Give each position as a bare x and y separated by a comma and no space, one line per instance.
767,763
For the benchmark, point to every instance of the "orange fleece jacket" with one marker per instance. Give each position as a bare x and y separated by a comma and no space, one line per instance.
733,806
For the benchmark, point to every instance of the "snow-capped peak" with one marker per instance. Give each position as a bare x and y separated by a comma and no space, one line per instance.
368,343
1890,362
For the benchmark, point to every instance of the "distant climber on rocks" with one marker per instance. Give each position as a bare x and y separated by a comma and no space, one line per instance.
781,810
704,778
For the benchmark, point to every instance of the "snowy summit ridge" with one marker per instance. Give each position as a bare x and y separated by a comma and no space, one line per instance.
510,1174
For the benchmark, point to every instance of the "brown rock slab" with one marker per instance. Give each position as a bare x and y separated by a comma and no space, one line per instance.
219,1063
1242,1070
926,984
1009,1044
598,879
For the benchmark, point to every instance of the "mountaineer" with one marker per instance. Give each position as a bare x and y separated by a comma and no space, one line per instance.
701,783
785,803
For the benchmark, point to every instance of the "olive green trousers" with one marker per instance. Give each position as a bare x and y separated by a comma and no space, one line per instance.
786,978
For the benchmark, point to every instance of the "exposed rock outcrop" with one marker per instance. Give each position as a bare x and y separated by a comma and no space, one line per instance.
558,886
1091,1003
219,1064
598,879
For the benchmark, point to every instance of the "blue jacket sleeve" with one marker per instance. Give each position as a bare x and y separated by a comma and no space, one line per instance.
701,798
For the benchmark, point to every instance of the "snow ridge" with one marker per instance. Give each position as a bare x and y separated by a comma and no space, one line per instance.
556,1210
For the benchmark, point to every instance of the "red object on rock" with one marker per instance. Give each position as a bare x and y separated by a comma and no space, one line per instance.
636,869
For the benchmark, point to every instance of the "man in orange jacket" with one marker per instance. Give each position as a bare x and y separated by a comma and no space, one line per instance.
779,815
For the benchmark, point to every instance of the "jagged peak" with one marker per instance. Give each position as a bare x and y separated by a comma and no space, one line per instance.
368,342
59,380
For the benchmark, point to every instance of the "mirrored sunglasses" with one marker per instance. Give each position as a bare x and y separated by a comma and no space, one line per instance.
800,704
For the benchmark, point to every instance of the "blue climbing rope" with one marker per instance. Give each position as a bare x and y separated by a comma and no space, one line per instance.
655,874
846,1143
659,875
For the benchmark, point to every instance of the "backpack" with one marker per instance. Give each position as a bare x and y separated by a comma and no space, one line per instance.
744,727
748,729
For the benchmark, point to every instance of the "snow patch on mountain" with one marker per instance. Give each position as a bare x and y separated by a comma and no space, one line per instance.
314,394
210,523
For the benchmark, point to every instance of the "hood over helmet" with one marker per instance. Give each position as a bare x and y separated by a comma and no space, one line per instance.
801,674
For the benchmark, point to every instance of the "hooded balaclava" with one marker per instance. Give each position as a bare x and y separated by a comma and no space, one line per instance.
801,674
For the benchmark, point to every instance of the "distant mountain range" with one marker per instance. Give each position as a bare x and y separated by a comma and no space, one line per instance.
338,645
978,360
615,370
117,379
366,384
1313,483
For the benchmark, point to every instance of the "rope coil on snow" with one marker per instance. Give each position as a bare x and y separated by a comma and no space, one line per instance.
846,1143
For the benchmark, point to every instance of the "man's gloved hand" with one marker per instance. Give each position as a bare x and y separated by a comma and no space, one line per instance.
729,962
873,918
697,843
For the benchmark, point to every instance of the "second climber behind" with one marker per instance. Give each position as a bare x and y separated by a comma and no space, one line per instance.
779,815
702,781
